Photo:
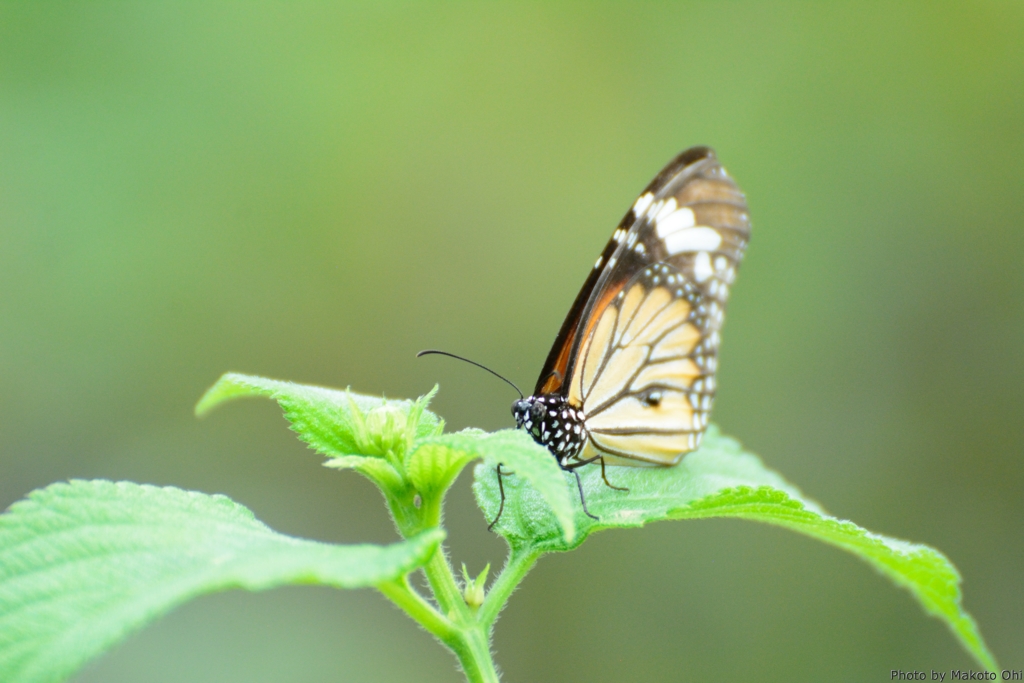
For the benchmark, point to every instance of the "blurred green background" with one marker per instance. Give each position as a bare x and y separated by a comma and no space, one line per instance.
315,192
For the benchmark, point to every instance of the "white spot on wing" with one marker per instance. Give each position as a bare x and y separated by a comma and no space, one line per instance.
677,220
642,202
667,208
702,266
694,239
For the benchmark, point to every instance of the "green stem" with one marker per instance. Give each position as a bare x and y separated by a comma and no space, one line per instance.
454,623
446,590
412,603
470,641
474,653
519,563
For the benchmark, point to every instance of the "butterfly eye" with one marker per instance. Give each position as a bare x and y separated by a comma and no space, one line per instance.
537,412
520,409
652,397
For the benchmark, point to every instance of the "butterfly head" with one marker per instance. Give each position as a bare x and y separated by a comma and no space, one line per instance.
553,423
529,414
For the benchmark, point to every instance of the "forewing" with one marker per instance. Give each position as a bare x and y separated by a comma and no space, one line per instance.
691,216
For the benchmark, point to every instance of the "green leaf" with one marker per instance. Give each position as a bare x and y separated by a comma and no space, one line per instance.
653,493
379,471
721,480
435,462
83,564
532,463
332,422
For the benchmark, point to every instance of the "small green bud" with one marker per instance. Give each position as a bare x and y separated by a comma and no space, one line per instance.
473,589
386,428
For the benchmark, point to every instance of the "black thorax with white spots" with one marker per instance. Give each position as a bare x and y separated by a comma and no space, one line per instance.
552,423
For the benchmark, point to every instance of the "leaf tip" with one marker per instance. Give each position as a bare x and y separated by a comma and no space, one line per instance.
218,393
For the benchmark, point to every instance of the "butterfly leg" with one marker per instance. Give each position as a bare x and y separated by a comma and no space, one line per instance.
501,488
583,501
608,483
581,463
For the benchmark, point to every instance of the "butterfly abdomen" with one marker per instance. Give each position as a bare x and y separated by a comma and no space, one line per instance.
552,423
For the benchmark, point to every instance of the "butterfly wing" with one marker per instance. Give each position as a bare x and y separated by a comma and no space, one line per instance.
640,344
646,379
694,181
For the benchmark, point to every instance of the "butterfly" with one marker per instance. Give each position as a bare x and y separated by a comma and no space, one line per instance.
630,379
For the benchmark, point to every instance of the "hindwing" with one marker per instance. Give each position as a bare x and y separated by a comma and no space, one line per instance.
645,378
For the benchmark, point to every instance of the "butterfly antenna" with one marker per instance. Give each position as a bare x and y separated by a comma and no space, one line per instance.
429,352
